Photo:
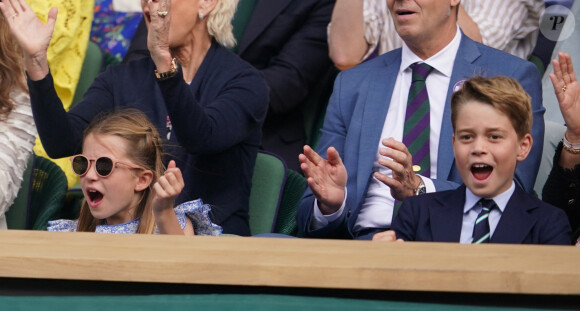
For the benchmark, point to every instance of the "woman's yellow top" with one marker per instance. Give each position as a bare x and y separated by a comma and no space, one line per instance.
66,54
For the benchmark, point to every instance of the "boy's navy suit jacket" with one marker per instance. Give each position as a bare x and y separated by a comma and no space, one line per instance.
438,217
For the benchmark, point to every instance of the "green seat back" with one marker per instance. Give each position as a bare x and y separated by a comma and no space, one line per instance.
293,191
49,186
267,187
40,199
534,59
16,215
92,66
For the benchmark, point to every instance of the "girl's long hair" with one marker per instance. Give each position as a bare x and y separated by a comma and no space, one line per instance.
11,68
143,147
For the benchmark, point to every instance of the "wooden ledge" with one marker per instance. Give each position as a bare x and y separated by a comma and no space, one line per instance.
276,262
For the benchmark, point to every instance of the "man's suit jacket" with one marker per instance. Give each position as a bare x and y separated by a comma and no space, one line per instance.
438,217
358,108
286,40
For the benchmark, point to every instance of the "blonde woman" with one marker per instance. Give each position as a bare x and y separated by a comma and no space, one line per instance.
206,103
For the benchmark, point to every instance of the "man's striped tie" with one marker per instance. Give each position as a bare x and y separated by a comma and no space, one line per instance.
417,122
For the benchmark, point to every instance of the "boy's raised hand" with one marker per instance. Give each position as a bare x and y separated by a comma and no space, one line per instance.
168,187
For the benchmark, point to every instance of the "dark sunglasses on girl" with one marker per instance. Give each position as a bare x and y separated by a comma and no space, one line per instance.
103,165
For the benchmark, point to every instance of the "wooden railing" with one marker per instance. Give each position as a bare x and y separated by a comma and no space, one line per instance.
278,262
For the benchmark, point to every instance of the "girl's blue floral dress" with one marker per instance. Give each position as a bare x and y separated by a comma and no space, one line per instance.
195,210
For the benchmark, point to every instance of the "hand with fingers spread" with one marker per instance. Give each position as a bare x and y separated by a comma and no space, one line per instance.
159,15
326,178
403,181
32,34
567,92
387,236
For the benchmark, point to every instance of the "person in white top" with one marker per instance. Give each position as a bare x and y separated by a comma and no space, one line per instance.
360,28
352,190
17,129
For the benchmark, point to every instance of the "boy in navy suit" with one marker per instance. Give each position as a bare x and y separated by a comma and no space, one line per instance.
491,120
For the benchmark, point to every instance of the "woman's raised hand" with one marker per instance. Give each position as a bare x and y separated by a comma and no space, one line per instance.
32,34
158,33
567,91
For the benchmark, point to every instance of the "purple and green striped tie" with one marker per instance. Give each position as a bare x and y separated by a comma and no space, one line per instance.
417,123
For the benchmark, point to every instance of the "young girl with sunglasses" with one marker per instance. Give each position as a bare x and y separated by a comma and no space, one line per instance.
125,189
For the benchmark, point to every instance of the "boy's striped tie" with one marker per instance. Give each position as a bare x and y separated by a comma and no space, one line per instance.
481,231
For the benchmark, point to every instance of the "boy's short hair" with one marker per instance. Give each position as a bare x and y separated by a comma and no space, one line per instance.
503,93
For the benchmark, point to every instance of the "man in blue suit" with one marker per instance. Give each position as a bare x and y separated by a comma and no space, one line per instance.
352,191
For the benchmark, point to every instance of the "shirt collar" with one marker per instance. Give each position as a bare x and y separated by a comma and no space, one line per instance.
442,61
501,200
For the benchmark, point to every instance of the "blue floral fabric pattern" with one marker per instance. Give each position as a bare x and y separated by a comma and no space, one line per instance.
196,211
113,30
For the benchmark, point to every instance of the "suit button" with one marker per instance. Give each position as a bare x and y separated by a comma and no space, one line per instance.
348,214
572,185
571,202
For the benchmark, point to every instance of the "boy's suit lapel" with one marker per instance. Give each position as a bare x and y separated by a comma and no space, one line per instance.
515,222
445,216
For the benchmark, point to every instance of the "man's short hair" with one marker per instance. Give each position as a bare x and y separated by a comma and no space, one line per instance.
503,93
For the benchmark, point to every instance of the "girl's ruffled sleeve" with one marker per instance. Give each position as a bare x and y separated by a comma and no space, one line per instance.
198,214
62,225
